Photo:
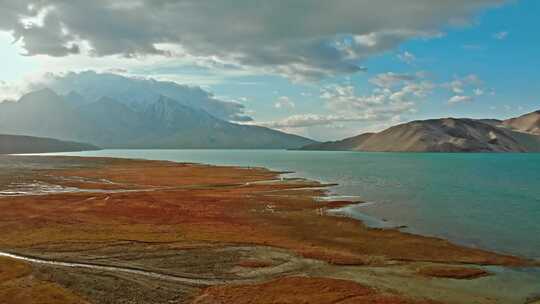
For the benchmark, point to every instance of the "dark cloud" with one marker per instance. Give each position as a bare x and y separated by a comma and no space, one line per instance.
50,39
301,39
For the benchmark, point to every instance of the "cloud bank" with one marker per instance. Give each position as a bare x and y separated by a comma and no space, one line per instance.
303,39
92,86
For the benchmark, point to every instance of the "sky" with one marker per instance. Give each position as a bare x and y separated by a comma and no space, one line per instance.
322,69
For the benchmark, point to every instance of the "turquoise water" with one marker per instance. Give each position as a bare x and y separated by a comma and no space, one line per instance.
490,201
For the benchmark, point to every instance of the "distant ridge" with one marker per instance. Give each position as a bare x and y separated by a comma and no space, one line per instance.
350,143
18,144
519,134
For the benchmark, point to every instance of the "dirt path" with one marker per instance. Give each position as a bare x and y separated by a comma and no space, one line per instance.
201,282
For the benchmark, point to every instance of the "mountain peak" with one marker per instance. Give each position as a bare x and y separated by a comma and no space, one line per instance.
42,94
42,98
165,104
138,93
107,105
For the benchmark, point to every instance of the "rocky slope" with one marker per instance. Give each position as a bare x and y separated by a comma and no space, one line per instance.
528,123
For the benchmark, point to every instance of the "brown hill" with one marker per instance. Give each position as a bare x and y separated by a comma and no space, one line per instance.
447,135
17,144
351,143
528,123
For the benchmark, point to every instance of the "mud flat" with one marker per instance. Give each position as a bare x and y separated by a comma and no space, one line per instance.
135,231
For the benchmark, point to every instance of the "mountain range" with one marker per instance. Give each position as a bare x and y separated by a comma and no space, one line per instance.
520,134
113,111
137,93
16,144
110,123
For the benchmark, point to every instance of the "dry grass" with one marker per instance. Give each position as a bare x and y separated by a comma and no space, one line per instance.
453,272
18,286
213,204
251,263
300,290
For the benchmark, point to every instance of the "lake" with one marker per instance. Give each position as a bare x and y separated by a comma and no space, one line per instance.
491,201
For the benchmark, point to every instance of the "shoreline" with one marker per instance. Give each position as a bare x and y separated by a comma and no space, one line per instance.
370,220
377,222
278,222
328,196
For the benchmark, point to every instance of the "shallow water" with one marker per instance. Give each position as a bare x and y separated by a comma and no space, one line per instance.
490,201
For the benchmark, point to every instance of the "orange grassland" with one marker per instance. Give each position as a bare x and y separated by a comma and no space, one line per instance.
189,205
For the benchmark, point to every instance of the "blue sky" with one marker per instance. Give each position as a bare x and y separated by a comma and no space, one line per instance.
484,65
508,65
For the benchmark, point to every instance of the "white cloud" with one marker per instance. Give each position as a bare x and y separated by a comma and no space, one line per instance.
304,40
9,91
459,99
392,96
284,102
501,35
473,79
311,120
390,79
12,90
407,57
462,85
393,93
135,90
479,92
